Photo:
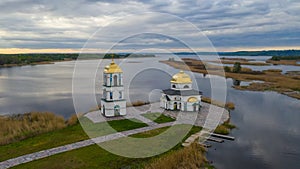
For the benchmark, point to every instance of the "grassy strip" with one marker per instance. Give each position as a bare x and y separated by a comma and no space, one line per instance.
224,128
228,105
191,157
18,127
158,117
64,136
95,157
243,62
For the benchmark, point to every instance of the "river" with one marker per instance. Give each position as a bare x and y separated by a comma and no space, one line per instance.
268,133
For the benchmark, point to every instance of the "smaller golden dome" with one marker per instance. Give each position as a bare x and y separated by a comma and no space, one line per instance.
181,77
192,99
112,68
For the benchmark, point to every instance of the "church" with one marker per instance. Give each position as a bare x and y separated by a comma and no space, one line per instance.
181,96
113,102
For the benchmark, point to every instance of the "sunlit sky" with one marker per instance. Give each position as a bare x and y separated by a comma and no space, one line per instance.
231,25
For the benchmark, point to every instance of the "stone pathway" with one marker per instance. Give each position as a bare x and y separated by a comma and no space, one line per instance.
209,116
46,153
132,112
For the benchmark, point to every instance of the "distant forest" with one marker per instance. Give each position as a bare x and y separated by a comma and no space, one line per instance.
249,53
26,59
263,53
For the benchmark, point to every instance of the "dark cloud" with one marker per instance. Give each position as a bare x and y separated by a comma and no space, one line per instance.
69,24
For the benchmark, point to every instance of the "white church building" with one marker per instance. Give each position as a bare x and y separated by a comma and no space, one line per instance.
113,102
181,96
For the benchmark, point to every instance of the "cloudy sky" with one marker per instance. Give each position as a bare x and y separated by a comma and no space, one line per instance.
229,25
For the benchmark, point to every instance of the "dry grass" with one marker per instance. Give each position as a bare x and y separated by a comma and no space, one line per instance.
243,62
228,105
224,128
191,157
74,119
18,127
284,62
136,103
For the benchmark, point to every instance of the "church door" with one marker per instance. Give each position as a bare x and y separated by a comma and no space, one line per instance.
117,110
195,107
175,105
103,110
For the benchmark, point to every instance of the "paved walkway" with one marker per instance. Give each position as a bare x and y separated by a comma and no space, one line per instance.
209,116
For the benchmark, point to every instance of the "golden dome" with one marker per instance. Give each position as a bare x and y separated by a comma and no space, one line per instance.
192,99
112,68
181,77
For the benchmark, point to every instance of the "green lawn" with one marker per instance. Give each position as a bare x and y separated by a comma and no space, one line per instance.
95,157
158,117
64,136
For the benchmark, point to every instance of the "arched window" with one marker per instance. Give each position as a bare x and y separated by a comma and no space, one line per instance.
174,86
115,80
186,86
105,79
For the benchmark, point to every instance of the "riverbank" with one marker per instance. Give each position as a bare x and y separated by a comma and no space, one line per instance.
271,80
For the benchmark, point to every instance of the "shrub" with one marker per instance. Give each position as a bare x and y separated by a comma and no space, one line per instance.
237,67
227,69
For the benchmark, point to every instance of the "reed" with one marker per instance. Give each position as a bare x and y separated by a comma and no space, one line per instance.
191,157
19,127
136,103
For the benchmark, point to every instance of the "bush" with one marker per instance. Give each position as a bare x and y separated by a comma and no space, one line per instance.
227,69
237,67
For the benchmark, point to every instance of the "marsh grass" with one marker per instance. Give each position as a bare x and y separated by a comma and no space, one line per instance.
191,157
224,128
228,105
18,127
137,103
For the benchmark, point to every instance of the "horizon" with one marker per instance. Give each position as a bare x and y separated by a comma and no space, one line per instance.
120,52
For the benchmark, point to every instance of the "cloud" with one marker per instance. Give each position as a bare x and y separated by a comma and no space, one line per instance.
54,24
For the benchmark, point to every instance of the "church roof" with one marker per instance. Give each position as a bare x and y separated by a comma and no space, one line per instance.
112,68
182,92
181,77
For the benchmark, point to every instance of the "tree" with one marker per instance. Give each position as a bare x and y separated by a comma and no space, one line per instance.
237,67
227,69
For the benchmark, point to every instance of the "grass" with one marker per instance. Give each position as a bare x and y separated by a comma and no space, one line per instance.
95,157
284,62
18,127
64,136
228,105
158,117
136,103
243,62
224,128
191,157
